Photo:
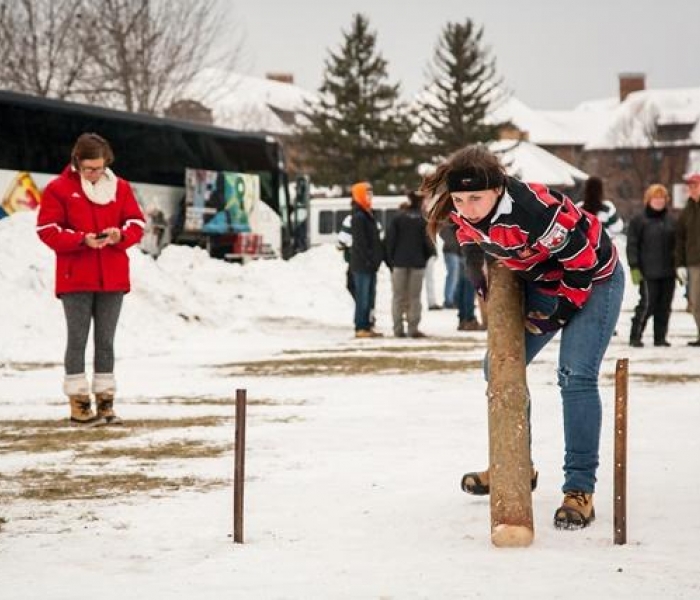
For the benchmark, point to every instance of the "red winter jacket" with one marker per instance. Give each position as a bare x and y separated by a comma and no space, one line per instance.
66,215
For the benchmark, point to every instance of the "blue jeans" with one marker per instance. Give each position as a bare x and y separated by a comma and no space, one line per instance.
453,264
365,291
464,296
584,340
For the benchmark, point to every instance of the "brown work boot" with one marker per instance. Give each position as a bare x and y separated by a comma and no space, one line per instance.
368,333
105,410
80,410
469,325
477,484
576,511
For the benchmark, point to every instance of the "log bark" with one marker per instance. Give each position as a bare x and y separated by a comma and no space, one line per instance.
509,429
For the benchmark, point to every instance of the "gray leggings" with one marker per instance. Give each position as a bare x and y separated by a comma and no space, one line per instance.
81,308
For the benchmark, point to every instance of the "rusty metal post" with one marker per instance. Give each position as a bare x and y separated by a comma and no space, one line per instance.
510,466
620,470
239,467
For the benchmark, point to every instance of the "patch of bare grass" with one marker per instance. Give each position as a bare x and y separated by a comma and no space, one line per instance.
458,346
41,435
176,449
53,486
30,366
350,365
661,378
214,401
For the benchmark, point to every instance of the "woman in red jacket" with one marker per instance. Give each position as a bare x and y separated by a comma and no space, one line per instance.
89,217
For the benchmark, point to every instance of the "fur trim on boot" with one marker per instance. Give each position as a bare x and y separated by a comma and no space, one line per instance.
76,385
104,383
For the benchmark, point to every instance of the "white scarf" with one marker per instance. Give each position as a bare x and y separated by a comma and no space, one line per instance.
103,191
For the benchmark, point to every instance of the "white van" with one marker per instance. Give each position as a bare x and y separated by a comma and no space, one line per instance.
326,215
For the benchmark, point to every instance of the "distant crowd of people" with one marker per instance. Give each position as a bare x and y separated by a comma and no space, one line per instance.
662,250
410,255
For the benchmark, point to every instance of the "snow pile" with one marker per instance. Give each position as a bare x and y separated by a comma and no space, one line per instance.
183,292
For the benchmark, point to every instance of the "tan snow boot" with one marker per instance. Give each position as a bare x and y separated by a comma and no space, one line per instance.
575,512
80,410
477,484
105,410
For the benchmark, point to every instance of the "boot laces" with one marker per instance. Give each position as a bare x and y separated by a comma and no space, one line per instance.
577,496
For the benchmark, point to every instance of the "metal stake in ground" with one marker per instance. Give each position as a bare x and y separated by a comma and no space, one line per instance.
239,467
620,470
510,466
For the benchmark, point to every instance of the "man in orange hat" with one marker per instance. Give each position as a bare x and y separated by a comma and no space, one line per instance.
688,246
366,256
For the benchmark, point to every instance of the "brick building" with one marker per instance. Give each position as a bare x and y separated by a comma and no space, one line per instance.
638,138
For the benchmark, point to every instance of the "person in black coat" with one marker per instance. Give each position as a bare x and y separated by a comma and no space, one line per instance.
366,255
651,238
408,249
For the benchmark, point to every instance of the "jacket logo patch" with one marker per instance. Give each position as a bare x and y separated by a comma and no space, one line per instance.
556,238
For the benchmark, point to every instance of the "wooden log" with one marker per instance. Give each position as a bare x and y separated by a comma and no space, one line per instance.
239,467
620,470
510,466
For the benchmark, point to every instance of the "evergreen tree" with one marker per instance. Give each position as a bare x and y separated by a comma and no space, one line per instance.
462,86
358,129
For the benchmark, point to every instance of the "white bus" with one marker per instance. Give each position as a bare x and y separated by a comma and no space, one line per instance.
151,153
325,216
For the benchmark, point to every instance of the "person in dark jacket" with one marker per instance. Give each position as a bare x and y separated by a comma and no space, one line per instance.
651,239
572,281
688,247
408,249
366,255
89,217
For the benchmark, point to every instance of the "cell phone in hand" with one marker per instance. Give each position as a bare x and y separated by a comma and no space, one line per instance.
101,236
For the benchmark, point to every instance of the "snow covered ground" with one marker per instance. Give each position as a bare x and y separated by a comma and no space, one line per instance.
355,449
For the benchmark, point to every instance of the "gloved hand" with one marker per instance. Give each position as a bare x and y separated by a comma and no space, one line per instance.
636,276
681,276
538,323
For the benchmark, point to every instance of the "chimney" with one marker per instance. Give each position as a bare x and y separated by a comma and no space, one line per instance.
281,77
631,82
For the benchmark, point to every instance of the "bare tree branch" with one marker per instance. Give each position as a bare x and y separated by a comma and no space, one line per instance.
40,46
146,53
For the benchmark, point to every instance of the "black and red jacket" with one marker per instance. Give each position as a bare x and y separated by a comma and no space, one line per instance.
543,237
66,215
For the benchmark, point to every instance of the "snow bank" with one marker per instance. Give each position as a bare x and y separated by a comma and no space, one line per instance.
182,293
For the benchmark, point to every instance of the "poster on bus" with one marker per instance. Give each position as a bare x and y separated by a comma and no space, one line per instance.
219,203
21,194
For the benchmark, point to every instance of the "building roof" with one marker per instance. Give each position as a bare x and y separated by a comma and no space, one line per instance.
635,122
247,103
529,162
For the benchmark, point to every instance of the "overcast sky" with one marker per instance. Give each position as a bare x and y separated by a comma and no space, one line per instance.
551,53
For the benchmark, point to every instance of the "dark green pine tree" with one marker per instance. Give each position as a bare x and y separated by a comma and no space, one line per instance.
462,86
358,129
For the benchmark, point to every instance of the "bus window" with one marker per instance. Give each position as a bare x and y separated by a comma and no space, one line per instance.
339,218
325,222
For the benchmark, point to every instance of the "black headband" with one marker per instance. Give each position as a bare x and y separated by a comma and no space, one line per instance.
471,180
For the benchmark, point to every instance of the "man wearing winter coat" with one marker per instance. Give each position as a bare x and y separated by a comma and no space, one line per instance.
688,246
366,256
408,249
